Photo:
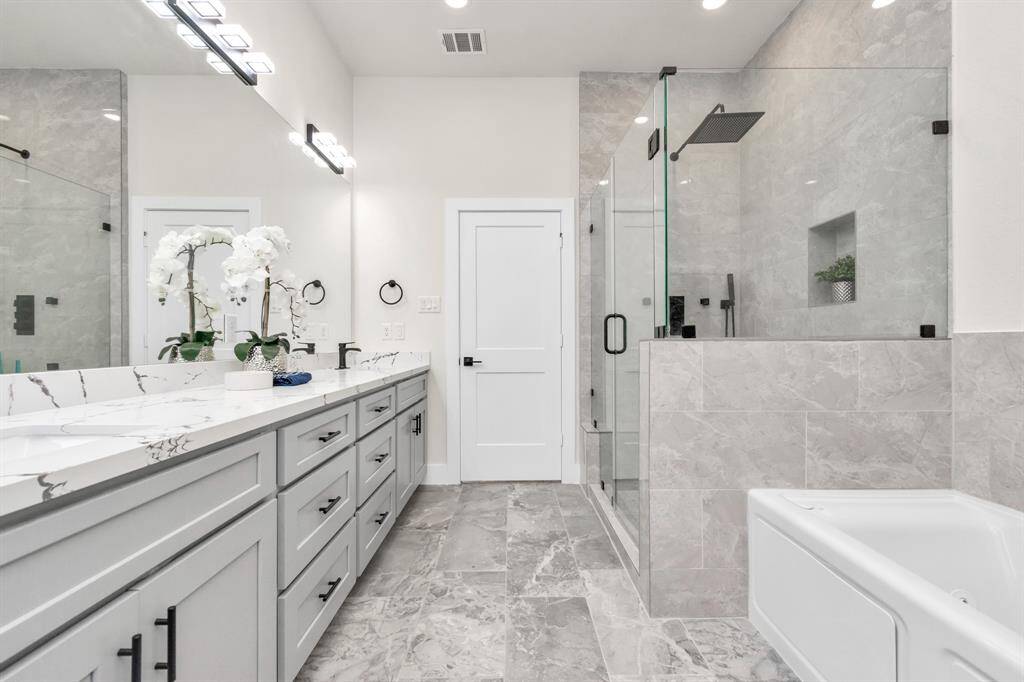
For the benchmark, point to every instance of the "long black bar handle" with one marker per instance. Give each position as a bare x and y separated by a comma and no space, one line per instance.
171,664
607,319
136,654
329,436
331,501
625,336
333,585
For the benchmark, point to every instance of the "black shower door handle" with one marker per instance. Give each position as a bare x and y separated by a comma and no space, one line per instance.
608,318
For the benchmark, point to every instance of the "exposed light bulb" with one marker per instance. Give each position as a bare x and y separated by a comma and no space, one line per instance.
456,4
713,4
879,4
640,120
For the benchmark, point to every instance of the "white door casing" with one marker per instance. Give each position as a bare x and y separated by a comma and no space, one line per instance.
151,217
510,284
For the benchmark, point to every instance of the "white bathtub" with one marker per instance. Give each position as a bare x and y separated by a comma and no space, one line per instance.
858,586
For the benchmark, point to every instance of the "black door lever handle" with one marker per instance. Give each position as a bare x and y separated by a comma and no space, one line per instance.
468,361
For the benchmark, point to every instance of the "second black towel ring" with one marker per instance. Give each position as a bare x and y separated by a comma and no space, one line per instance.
391,283
316,284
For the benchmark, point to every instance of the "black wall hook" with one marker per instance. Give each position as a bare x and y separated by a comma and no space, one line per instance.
316,284
392,284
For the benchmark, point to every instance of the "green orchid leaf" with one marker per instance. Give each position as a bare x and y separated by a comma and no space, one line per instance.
242,350
270,351
287,345
190,350
163,351
205,337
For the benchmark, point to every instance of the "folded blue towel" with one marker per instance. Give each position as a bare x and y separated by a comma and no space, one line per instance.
292,378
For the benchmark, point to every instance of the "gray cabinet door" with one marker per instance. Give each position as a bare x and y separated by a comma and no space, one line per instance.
406,423
88,651
419,445
211,614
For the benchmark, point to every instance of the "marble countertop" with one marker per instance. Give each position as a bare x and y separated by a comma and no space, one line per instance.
96,442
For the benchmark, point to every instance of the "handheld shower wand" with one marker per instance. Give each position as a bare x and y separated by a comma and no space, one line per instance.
728,305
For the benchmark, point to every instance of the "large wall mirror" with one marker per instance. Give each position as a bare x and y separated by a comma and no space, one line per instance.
130,135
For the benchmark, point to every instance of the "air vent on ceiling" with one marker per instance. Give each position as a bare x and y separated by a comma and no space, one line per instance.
463,41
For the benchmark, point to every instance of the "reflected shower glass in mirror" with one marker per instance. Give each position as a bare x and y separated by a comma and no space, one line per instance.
131,135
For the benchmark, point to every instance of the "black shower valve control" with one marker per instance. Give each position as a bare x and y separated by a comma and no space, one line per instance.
705,301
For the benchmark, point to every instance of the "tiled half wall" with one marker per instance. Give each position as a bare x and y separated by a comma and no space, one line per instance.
723,417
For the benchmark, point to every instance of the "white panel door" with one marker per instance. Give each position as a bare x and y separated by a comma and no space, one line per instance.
509,324
170,319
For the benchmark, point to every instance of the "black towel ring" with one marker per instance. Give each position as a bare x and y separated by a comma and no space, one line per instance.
391,283
316,284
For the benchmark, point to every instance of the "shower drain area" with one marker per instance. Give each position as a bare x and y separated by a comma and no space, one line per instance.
826,243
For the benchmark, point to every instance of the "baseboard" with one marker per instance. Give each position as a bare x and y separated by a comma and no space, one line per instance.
438,474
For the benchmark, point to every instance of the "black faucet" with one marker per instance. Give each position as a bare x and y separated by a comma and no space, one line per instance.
308,347
344,350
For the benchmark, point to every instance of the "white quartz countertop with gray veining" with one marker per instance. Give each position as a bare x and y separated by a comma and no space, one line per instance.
50,453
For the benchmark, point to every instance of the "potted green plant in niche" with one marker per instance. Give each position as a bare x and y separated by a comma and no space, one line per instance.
842,274
251,263
172,274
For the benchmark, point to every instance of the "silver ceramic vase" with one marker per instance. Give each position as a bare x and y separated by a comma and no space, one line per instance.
842,292
205,355
256,362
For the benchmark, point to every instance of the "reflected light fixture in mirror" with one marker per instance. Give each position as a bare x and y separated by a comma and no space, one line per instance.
323,148
456,4
713,4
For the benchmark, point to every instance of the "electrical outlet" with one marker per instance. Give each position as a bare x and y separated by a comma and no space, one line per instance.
386,331
398,331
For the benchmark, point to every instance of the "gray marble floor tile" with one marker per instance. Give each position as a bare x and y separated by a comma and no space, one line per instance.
542,565
572,500
408,551
552,639
532,497
429,509
367,641
483,498
590,542
733,647
475,542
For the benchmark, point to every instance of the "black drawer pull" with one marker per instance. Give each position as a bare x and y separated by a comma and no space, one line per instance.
380,518
381,408
171,665
329,436
331,501
136,655
381,457
324,596
417,429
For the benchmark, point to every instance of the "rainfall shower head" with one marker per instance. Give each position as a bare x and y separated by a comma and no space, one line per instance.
719,127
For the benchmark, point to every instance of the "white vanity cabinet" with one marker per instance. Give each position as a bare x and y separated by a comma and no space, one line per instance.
99,649
209,615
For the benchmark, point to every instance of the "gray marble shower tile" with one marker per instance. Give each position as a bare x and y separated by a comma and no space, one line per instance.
988,371
542,565
699,593
710,450
879,450
590,542
551,638
366,641
988,459
461,629
780,375
675,375
736,651
675,529
475,543
724,528
911,375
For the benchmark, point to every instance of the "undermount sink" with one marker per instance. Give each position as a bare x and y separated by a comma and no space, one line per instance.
19,442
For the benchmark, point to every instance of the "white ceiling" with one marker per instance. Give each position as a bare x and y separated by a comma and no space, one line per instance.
547,37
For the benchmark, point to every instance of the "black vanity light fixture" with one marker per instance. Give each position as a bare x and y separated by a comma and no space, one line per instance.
202,27
323,148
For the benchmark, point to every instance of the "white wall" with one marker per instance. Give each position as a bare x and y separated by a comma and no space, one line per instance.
988,165
422,140
211,136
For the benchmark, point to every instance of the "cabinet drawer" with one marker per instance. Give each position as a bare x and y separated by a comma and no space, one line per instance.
306,608
375,459
411,390
375,519
312,511
375,409
311,441
60,565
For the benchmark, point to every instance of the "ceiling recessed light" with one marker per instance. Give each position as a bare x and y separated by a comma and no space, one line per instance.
602,182
713,4
456,4
879,4
640,120
111,114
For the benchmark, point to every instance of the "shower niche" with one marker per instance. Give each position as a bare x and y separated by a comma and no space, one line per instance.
832,249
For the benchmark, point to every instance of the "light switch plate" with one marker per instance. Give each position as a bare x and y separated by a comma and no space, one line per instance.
398,331
429,304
